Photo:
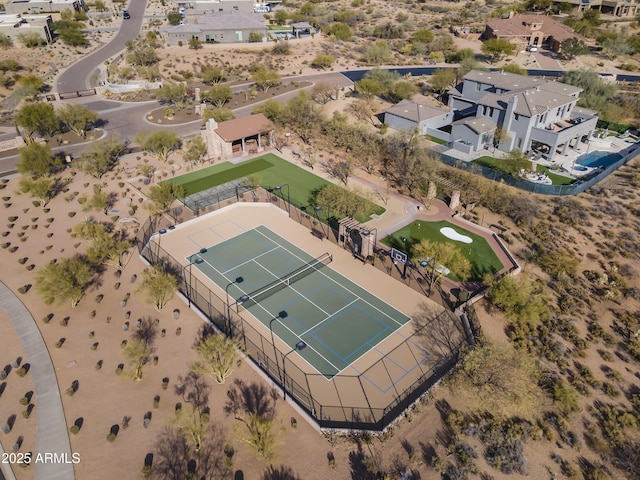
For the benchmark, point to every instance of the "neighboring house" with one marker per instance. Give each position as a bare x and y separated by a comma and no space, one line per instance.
225,27
532,113
526,31
40,6
617,8
408,115
206,7
238,137
13,25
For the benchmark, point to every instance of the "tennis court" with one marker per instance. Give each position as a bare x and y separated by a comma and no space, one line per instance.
299,298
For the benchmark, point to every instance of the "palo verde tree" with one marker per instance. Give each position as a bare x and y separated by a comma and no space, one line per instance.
196,150
67,279
158,286
217,95
38,117
140,346
159,143
101,157
441,254
77,118
36,160
192,419
173,94
343,201
216,356
265,78
106,246
162,196
498,48
42,188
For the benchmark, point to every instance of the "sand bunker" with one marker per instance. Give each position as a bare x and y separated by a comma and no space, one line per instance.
451,234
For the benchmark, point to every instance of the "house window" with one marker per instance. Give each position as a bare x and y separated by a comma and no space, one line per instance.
519,143
559,111
491,112
516,117
477,87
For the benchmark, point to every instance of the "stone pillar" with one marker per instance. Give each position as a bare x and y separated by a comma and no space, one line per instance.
455,200
197,94
432,191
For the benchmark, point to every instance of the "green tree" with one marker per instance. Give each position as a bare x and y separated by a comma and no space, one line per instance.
572,47
368,88
497,48
265,78
597,93
521,299
38,118
323,61
106,247
158,286
44,189
99,5
498,379
343,201
192,419
196,150
378,53
272,109
422,36
303,116
73,35
159,143
216,357
36,159
255,37
140,53
174,18
616,46
163,195
442,256
173,93
340,31
211,74
281,16
218,95
402,90
218,114
138,353
101,157
100,200
516,162
67,279
195,43
77,118
442,79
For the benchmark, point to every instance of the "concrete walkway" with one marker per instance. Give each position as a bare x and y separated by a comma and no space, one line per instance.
52,435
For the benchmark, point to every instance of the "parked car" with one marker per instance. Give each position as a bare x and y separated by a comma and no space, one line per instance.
126,15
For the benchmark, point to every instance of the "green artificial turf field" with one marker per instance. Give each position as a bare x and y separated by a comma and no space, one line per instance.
479,252
272,171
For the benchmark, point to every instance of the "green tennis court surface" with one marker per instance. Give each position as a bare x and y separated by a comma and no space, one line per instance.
299,298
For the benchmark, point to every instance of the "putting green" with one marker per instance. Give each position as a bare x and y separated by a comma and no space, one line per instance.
482,257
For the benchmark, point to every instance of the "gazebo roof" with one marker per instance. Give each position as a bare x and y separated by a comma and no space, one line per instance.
240,128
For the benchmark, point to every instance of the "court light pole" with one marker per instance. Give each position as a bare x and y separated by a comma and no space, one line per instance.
226,290
278,188
198,260
281,315
299,346
318,209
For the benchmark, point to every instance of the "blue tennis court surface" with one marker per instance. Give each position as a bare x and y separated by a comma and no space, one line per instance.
299,298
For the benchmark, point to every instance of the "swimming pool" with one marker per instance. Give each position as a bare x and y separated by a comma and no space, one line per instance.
598,159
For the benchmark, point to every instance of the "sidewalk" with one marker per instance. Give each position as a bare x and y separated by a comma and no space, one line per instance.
52,435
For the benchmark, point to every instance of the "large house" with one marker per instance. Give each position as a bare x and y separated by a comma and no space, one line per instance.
221,27
527,112
209,6
617,8
526,31
42,6
14,25
408,115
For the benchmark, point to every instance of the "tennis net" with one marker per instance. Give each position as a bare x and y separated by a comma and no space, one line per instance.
286,280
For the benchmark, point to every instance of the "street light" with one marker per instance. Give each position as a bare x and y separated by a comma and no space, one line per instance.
226,289
198,261
299,346
278,188
281,315
317,209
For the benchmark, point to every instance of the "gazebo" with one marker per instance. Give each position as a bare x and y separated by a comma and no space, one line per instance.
238,137
302,28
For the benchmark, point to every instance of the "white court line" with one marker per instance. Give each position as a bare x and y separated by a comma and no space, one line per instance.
330,316
273,316
345,288
251,260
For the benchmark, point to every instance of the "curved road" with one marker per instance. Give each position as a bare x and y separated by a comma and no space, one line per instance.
77,76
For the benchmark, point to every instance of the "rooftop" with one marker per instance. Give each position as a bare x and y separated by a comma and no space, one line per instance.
239,128
522,26
477,124
504,80
415,111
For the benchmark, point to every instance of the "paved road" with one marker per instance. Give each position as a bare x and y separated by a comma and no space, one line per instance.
52,435
77,76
